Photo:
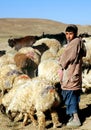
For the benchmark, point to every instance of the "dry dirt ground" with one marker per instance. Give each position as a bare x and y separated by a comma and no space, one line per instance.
19,28
85,116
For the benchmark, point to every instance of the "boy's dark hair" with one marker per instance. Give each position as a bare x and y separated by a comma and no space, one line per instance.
72,28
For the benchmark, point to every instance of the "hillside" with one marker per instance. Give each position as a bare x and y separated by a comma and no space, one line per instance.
17,27
22,27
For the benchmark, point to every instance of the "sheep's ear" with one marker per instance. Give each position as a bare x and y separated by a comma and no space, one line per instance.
9,40
37,52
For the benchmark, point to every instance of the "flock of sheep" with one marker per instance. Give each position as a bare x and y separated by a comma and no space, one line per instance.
29,79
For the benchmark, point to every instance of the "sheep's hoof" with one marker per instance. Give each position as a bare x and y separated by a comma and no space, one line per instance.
41,128
35,123
57,125
24,123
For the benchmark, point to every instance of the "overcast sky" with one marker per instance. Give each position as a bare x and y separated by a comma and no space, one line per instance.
65,11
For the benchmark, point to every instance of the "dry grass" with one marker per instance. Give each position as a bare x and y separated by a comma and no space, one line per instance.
21,27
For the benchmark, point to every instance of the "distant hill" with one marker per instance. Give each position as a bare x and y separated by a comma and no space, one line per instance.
20,27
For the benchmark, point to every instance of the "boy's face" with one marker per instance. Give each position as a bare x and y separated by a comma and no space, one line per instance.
69,36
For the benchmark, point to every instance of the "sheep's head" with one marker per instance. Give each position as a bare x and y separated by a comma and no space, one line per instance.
11,42
50,96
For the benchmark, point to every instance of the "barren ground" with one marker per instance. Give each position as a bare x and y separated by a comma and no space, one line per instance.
85,116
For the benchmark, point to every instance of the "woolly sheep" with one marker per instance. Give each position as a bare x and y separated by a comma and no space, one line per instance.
47,55
18,43
86,80
87,59
46,98
39,93
32,53
50,55
53,44
25,64
61,37
8,73
50,70
6,99
27,59
6,59
21,102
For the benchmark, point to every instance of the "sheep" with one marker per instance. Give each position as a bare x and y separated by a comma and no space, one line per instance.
40,95
59,36
34,54
8,73
47,55
41,48
50,70
86,66
27,59
50,55
47,98
8,58
85,34
86,80
87,59
53,44
6,99
26,41
59,53
25,64
23,103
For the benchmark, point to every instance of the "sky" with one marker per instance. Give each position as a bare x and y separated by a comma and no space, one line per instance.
65,11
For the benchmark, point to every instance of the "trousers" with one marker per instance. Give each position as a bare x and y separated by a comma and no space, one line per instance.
71,99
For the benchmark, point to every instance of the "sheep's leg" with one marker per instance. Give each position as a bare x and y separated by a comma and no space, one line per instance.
2,87
19,117
2,93
31,116
11,115
25,119
41,121
55,119
3,108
